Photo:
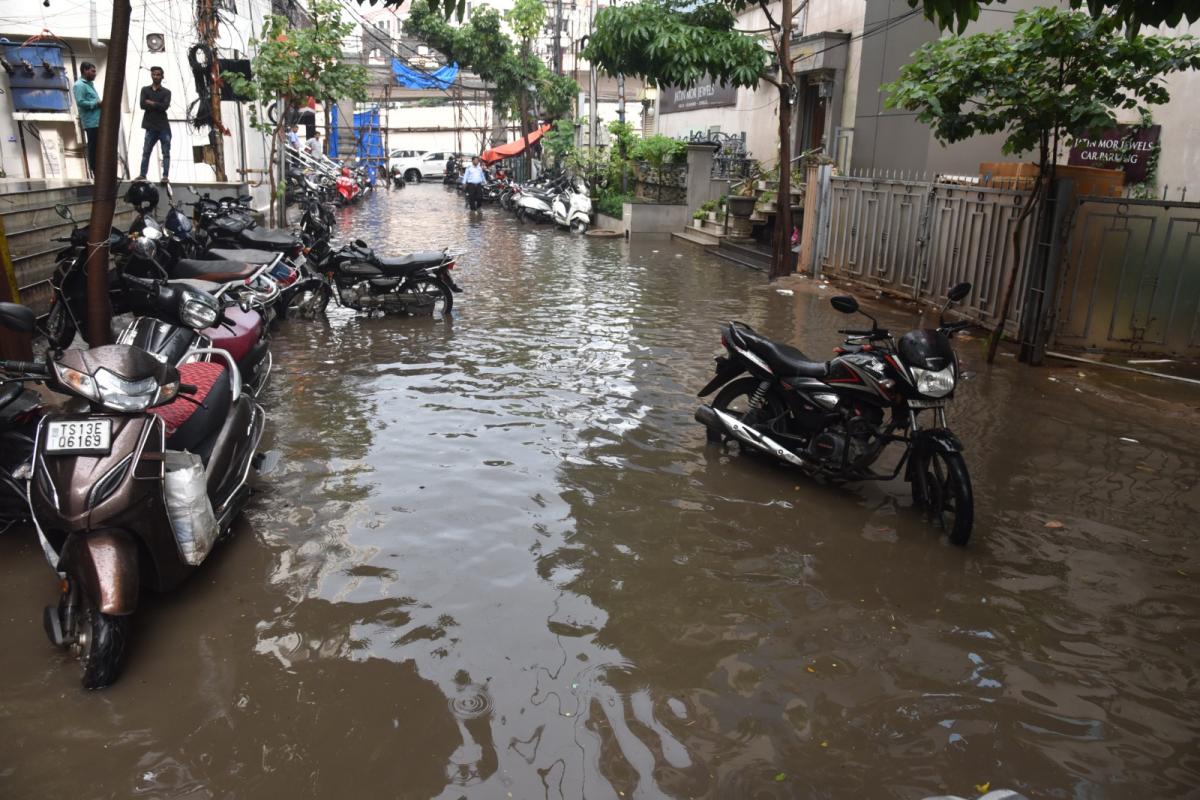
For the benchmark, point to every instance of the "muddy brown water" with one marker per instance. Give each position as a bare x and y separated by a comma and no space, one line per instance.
496,559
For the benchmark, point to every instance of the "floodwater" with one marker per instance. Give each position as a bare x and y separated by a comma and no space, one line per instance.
496,559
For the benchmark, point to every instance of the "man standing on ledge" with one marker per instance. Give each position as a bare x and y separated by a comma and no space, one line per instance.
88,101
155,102
473,178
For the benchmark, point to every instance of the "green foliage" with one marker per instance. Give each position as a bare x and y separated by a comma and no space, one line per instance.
558,143
483,47
296,63
710,205
555,93
1120,13
613,205
1054,72
526,18
699,213
663,44
624,134
658,150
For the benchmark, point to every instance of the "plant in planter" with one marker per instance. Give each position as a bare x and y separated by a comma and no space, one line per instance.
698,217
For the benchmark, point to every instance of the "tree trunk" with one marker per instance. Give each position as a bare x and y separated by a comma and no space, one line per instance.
104,193
781,261
499,117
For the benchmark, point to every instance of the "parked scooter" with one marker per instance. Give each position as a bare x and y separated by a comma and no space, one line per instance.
572,209
833,419
132,485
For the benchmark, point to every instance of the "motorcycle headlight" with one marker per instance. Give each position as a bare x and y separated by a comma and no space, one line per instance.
198,310
122,395
81,383
143,247
934,383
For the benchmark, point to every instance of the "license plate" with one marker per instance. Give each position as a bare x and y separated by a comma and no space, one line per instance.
82,436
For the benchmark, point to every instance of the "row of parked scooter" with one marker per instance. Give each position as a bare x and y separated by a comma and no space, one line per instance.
562,200
144,467
341,183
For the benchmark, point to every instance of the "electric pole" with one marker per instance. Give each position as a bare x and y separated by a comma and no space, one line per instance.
558,67
592,107
206,26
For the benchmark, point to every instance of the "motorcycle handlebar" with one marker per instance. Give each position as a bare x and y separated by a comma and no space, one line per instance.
31,367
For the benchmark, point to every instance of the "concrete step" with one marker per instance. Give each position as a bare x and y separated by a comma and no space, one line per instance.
34,216
715,228
18,194
697,237
748,254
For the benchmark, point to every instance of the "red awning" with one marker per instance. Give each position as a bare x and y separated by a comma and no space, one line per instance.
515,148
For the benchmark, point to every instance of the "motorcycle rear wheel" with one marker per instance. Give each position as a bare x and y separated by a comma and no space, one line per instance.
443,301
734,400
943,490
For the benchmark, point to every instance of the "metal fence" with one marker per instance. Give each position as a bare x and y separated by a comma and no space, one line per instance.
1130,277
916,238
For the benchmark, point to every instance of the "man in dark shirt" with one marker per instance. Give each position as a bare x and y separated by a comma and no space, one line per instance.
155,102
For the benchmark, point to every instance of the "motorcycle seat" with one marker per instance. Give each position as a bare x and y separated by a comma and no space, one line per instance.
784,359
238,332
248,256
267,240
190,423
217,271
421,258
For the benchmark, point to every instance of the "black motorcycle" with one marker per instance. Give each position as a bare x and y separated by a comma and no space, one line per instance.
418,283
833,419
20,412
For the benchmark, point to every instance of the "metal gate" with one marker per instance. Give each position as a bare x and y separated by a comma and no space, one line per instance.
917,238
1131,277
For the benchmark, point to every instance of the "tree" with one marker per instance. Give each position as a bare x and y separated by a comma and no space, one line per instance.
292,64
1053,76
482,46
679,43
526,18
1130,14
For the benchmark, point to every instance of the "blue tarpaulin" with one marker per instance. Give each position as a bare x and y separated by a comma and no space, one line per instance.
410,78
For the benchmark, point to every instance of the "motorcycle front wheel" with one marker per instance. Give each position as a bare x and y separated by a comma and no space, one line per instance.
735,399
99,640
942,488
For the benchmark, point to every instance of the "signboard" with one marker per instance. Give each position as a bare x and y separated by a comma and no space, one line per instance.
710,94
1127,147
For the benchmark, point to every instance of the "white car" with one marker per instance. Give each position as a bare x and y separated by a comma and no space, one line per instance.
396,157
425,165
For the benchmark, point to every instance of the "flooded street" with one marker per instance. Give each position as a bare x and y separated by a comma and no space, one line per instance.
495,558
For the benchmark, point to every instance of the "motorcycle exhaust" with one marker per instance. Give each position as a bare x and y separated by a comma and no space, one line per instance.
720,422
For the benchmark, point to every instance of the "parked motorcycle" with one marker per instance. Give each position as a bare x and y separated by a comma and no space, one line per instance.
20,410
132,484
418,283
572,209
834,419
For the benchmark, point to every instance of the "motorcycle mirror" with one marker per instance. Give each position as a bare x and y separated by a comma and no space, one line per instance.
17,318
844,303
64,212
958,291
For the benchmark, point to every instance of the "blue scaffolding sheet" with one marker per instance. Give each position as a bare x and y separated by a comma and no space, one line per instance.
410,78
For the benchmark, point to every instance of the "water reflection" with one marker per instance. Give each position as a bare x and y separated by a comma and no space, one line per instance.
496,559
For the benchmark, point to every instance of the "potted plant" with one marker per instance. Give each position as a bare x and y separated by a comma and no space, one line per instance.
698,217
741,201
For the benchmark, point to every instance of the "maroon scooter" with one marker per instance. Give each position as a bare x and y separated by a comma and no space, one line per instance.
132,485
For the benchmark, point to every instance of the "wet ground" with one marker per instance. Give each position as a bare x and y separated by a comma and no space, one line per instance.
496,559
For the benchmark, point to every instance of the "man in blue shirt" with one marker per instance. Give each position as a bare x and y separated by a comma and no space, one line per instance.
88,101
474,178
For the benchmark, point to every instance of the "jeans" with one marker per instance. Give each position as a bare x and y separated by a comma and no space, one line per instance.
153,137
90,135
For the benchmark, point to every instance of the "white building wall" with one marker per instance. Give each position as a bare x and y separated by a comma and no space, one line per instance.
71,20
